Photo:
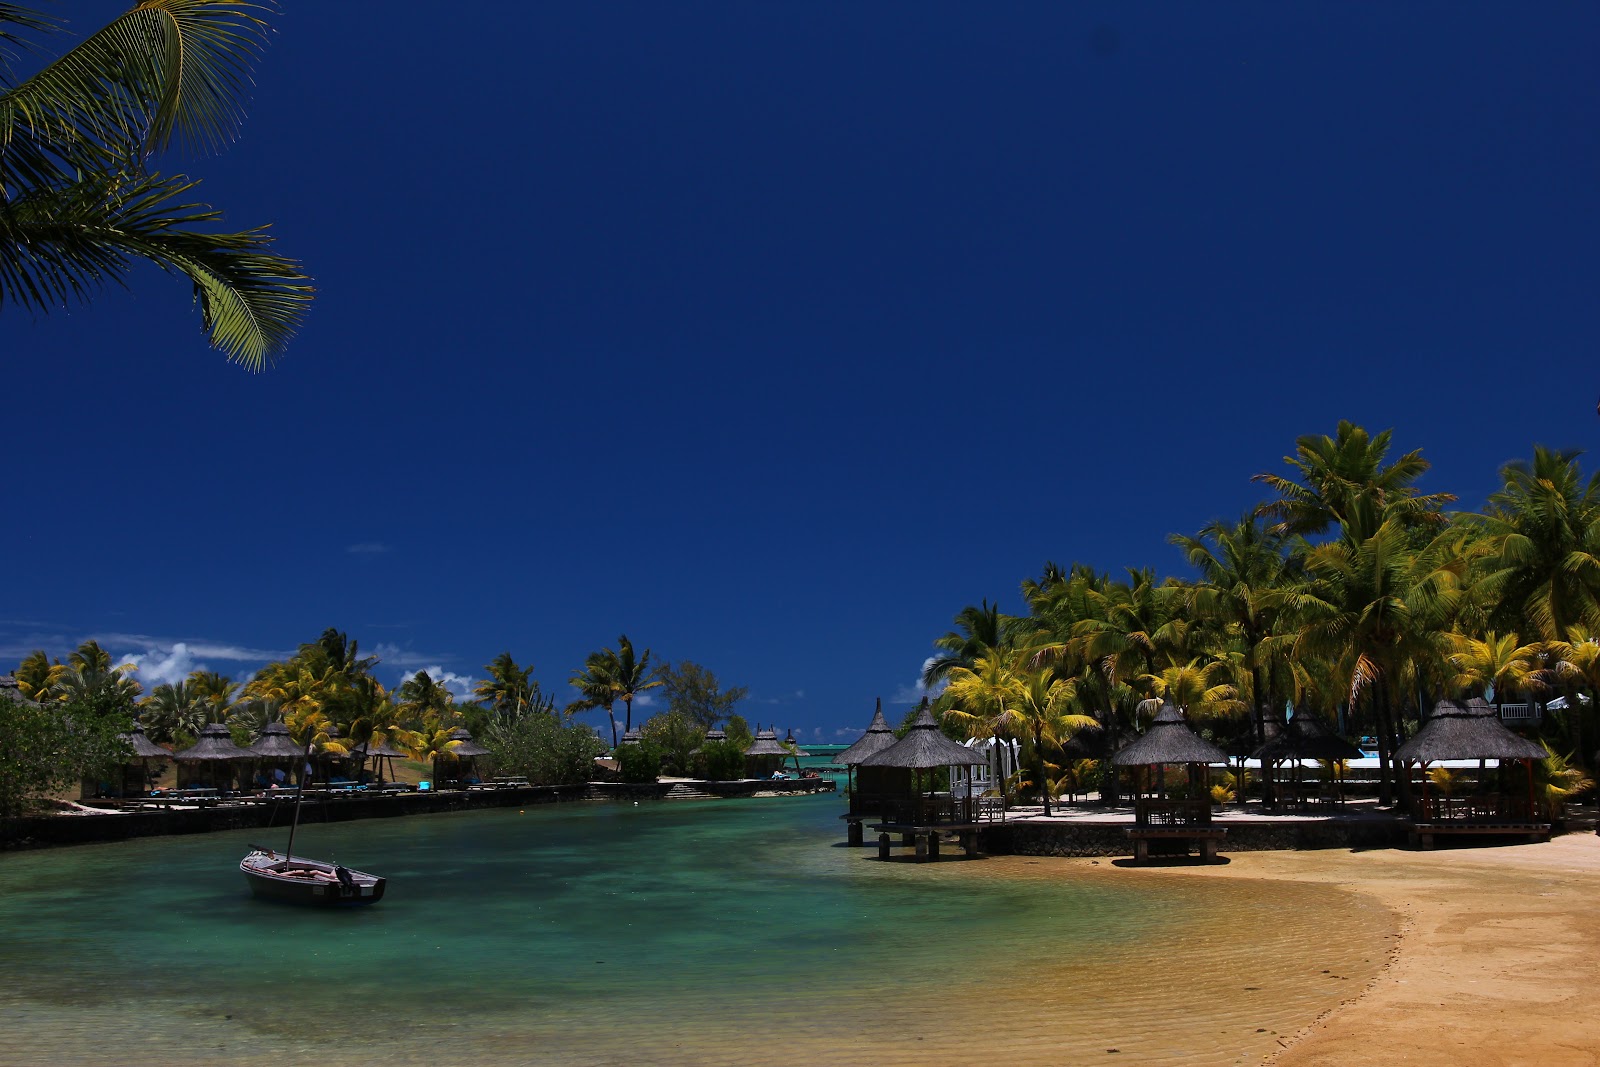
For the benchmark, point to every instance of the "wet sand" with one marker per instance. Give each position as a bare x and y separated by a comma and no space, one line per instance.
1496,961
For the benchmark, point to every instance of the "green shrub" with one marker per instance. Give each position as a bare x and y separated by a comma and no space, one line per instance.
721,761
639,763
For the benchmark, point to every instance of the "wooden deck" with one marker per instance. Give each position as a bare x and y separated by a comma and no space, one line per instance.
1205,836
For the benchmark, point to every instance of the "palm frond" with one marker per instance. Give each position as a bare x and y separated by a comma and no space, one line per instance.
62,245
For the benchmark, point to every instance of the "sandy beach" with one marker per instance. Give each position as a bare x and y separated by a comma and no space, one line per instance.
1496,961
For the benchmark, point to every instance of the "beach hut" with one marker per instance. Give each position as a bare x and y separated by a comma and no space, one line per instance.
632,737
213,761
1472,732
378,752
457,764
868,787
1304,737
279,761
792,747
1168,742
923,749
764,757
10,690
132,777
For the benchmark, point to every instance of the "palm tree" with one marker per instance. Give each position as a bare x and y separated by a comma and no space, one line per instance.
610,676
173,709
215,689
510,689
978,699
1047,713
423,700
1201,690
1544,540
37,676
1497,660
1575,664
597,687
1375,607
1244,574
80,205
1337,474
978,630
91,676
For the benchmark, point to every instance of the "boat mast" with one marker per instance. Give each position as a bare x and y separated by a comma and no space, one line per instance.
305,772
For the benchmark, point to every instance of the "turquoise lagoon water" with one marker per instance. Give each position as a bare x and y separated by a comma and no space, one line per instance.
676,932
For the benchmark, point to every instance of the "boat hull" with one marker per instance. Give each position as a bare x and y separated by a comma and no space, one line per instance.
310,883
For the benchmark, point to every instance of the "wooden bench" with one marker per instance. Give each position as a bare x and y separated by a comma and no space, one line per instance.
1423,833
1207,837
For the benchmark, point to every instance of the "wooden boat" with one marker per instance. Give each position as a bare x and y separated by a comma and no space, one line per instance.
298,880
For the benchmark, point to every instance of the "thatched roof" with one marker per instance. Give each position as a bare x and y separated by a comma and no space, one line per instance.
1238,737
1169,740
924,747
1089,743
765,744
716,733
214,744
274,743
1306,737
792,747
143,747
10,690
462,744
1470,732
877,738
632,737
382,749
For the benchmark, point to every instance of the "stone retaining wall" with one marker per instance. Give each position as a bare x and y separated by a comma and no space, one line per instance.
1111,839
46,831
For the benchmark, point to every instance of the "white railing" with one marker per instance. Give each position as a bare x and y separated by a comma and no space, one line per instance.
1519,712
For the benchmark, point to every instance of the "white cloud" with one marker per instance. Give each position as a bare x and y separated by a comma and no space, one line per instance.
394,656
163,667
207,649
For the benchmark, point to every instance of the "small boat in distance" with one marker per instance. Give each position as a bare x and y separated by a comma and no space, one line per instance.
297,880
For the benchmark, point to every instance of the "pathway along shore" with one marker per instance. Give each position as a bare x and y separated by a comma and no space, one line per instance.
1496,963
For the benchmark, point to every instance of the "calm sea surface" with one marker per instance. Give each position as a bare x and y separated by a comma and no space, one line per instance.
680,932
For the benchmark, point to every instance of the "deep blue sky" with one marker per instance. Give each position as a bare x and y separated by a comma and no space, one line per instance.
773,334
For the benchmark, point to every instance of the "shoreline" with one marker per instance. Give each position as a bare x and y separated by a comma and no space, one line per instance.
1495,960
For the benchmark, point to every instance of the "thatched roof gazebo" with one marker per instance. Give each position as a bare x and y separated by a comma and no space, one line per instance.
10,690
791,747
865,788
378,753
1169,740
1304,737
924,748
461,756
1467,732
877,738
131,777
212,761
763,757
277,752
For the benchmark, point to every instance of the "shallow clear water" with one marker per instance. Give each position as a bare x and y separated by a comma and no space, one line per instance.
676,932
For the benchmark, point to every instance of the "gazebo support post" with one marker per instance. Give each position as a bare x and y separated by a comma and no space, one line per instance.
1528,764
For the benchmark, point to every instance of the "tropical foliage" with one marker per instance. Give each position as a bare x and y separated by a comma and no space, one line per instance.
1350,593
81,202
